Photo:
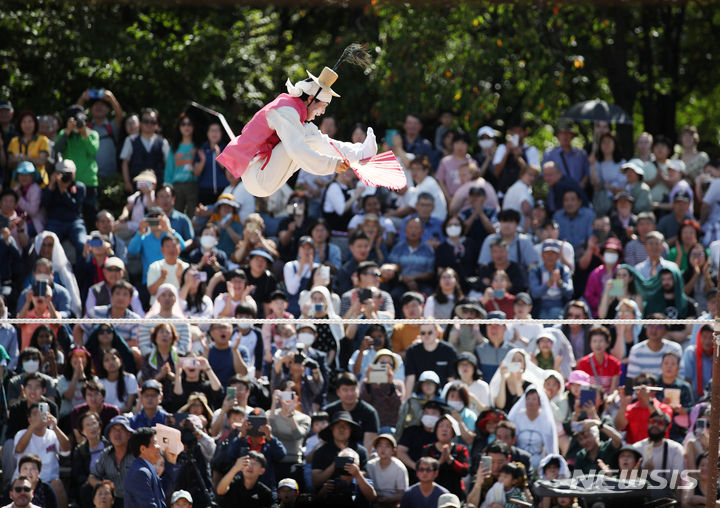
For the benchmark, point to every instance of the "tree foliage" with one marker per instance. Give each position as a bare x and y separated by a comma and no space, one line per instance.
487,62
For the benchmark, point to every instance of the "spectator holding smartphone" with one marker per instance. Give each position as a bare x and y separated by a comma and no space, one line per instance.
291,426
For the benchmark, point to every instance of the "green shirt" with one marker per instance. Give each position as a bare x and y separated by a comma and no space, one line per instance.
82,152
606,452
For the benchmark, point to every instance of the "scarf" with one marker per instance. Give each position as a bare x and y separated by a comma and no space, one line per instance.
652,293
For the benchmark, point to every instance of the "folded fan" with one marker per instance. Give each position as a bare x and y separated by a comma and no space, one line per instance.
381,170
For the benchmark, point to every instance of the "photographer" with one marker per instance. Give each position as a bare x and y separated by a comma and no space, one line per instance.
63,200
245,489
194,463
254,433
80,144
348,486
291,427
303,372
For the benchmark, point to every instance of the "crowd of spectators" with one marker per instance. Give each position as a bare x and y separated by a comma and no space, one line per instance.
370,414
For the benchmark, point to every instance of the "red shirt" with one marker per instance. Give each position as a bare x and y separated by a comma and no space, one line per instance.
637,420
605,371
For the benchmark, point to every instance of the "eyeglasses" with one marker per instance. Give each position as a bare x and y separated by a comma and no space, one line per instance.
113,269
373,274
426,333
424,470
149,121
22,489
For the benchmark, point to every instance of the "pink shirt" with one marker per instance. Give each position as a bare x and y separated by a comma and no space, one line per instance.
447,172
595,286
460,197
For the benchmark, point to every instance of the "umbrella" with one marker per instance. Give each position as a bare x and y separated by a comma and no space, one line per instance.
597,111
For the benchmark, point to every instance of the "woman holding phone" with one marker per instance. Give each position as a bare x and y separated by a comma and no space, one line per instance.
517,372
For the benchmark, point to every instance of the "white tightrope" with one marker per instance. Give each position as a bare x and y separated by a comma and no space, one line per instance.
356,321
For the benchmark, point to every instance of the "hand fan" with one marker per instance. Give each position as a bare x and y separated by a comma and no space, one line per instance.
381,170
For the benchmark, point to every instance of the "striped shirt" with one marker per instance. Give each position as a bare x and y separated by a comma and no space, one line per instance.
643,359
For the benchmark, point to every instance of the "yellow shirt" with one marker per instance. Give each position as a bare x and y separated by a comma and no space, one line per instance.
34,148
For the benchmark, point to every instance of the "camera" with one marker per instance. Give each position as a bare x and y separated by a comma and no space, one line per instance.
80,119
66,177
299,358
187,433
364,294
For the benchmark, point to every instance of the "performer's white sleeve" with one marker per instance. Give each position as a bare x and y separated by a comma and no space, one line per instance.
286,122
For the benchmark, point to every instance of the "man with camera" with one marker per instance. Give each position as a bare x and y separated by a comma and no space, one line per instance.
254,433
241,486
362,413
63,200
78,143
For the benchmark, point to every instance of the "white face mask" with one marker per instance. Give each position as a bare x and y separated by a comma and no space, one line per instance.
30,366
611,257
485,143
457,405
429,421
244,329
453,231
208,241
306,338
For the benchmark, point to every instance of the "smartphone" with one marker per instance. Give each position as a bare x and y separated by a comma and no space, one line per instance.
673,394
190,362
96,93
95,242
617,288
498,293
515,139
340,462
378,374
40,288
45,348
317,307
287,396
325,271
44,409
200,276
377,341
364,294
576,426
255,423
587,395
628,385
152,221
486,462
515,367
231,393
389,134
701,425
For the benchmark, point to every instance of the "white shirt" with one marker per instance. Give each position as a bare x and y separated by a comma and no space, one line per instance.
111,396
385,223
653,455
154,272
517,194
388,481
47,447
221,300
243,198
335,199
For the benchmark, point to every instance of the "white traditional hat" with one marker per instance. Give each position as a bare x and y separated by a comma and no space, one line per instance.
319,86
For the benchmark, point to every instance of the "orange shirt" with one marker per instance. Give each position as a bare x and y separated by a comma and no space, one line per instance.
27,330
403,336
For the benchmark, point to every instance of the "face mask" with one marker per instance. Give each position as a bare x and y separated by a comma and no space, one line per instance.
429,421
610,257
485,143
208,241
457,405
30,366
244,329
453,231
306,338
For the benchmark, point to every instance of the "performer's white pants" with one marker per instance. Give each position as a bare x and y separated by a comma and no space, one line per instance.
268,180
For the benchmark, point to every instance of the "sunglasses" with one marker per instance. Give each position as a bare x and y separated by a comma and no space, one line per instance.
425,470
22,489
148,121
373,274
105,330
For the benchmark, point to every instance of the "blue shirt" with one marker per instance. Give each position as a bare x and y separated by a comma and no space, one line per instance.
413,262
575,230
489,358
521,251
574,164
221,361
687,368
431,228
141,419
149,247
182,224
556,192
